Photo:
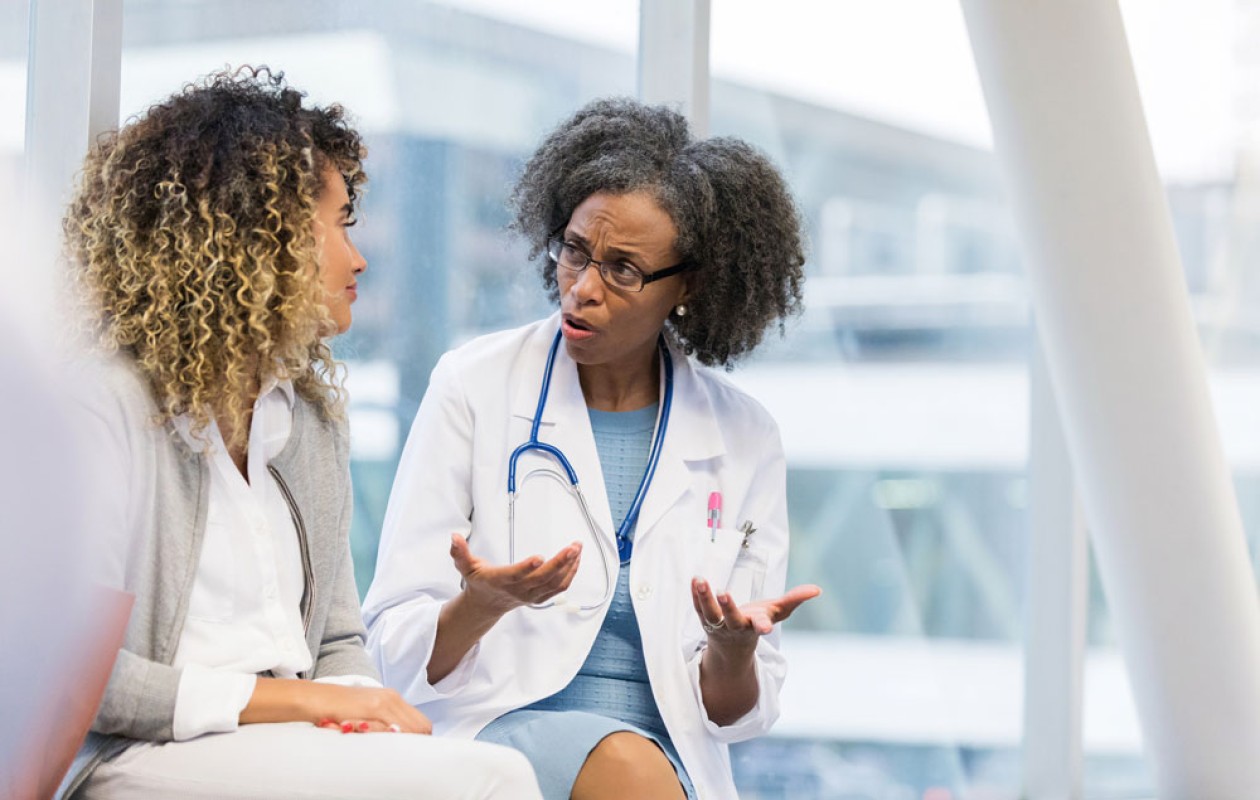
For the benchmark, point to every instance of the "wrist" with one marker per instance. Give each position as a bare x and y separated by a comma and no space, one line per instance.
475,609
462,621
304,699
729,657
278,700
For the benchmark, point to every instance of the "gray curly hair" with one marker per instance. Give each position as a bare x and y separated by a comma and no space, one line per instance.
736,220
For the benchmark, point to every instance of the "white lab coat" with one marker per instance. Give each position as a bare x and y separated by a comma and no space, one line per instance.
453,478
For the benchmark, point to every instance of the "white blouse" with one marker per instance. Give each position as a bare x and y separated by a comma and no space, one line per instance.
244,614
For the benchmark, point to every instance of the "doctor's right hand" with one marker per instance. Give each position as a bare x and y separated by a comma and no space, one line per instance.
495,590
490,591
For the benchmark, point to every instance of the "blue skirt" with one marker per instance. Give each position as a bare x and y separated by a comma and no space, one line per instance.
558,742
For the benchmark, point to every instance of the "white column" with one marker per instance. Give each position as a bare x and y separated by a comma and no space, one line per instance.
1129,378
674,58
72,84
1058,605
47,532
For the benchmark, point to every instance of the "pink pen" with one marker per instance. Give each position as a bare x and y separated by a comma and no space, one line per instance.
715,514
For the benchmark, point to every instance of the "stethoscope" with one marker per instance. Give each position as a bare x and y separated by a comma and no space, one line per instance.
624,543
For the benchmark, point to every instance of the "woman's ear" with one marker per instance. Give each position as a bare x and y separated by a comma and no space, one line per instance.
680,302
684,292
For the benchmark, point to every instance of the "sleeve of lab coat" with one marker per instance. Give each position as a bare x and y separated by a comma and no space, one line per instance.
767,505
430,500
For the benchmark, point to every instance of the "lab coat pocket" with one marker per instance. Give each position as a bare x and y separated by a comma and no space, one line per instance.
719,552
748,578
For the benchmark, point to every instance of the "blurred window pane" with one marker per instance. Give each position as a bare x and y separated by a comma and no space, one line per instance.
902,396
14,36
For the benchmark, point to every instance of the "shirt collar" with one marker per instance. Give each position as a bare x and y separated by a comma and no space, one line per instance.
183,423
284,386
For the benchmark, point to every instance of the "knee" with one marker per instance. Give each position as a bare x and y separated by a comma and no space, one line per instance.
626,751
633,762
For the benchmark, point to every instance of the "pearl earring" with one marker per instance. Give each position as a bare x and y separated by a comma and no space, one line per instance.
680,310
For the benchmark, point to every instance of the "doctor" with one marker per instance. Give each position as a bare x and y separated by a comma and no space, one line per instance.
623,632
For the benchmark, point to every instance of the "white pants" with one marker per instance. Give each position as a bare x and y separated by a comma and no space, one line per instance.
296,759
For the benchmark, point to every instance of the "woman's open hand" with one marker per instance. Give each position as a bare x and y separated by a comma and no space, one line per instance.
489,592
497,590
736,627
728,677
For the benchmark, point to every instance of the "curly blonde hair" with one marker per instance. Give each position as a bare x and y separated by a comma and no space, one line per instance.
192,247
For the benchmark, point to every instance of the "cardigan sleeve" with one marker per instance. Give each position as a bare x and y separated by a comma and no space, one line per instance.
114,417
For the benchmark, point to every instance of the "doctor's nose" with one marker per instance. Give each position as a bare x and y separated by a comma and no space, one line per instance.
588,285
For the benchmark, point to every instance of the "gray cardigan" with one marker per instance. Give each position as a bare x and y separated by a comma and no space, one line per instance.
313,474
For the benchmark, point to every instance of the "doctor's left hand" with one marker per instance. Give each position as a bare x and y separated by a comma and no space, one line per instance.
731,626
728,676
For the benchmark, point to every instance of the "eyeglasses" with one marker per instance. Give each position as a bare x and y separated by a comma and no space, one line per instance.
618,274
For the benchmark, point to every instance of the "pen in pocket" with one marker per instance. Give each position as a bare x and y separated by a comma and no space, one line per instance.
715,514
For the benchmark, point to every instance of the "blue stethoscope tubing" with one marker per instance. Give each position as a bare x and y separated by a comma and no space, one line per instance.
625,544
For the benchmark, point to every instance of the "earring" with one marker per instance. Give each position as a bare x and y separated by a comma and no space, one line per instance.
680,310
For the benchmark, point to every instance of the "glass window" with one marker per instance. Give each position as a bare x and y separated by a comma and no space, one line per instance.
14,32
902,397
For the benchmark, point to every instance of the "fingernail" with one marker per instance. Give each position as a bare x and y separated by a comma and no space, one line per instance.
323,721
346,727
363,726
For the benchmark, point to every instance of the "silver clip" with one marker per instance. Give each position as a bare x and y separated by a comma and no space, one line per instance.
748,530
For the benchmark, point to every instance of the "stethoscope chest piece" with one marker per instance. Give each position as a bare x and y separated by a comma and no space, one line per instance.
546,475
569,482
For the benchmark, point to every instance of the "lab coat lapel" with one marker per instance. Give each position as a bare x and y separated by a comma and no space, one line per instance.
693,435
529,374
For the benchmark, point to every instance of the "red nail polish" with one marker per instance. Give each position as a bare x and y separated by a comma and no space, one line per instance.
346,727
363,726
323,721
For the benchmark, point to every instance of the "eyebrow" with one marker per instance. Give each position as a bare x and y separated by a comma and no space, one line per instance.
616,253
348,210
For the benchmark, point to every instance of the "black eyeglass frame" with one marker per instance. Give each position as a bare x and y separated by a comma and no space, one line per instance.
556,243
